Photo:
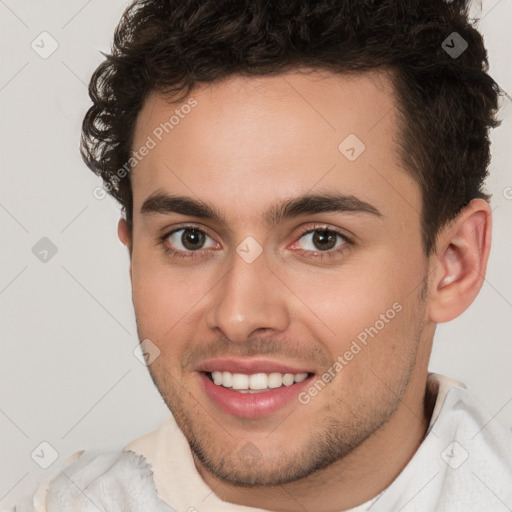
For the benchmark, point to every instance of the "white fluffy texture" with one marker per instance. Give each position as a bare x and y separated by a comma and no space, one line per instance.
107,482
463,464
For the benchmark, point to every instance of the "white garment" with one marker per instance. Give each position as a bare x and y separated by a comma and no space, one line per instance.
463,464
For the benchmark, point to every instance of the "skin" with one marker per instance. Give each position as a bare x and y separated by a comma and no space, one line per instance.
249,143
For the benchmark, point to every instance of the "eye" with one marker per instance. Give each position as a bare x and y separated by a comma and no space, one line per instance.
186,240
321,242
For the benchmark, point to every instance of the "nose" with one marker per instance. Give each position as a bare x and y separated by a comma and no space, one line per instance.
248,297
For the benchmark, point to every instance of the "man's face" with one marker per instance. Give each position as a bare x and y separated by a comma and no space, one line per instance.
308,292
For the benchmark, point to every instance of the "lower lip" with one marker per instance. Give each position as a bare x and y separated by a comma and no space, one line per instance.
251,405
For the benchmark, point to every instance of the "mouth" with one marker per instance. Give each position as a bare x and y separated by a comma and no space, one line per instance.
253,393
255,382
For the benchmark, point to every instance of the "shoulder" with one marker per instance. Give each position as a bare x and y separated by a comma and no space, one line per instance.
463,464
117,480
474,450
464,418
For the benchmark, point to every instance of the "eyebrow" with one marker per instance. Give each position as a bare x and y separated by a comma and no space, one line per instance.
163,203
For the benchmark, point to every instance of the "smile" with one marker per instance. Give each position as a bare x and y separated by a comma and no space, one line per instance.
255,382
254,395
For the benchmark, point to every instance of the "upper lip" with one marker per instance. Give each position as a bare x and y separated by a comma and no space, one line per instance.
249,366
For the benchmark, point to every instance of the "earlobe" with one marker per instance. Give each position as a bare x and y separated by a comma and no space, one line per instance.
460,262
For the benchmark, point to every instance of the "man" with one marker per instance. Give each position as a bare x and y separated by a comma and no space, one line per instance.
302,185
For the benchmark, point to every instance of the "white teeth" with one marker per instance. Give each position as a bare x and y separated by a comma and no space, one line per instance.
275,380
288,379
227,379
256,381
240,381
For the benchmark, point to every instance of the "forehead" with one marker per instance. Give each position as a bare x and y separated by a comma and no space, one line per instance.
244,140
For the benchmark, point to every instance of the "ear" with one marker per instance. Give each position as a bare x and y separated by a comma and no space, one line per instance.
460,262
125,234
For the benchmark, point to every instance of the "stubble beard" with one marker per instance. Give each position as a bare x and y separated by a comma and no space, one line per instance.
331,438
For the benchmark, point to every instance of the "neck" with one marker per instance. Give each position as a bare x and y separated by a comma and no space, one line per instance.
358,477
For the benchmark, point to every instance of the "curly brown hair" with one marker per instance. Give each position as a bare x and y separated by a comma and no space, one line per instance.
447,104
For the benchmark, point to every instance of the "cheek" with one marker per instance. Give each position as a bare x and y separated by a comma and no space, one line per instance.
346,300
372,302
159,297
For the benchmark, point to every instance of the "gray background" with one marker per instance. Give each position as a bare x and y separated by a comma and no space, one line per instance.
68,375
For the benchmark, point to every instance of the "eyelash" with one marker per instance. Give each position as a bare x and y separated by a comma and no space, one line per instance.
317,254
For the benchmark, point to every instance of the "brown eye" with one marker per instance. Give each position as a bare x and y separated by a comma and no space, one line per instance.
188,239
322,240
192,239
